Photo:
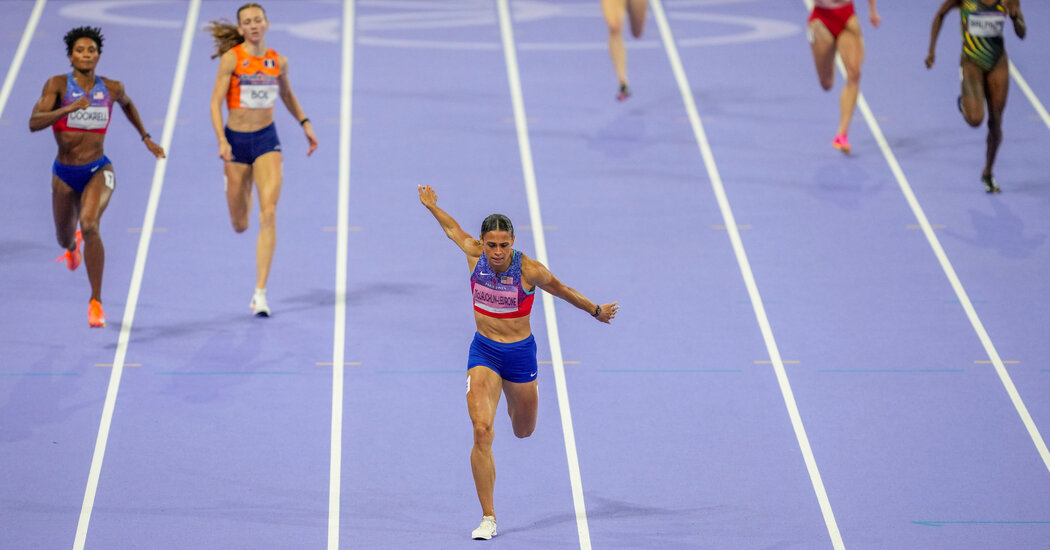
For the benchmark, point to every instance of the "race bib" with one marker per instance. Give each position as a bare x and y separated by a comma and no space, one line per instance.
496,301
985,25
258,96
95,117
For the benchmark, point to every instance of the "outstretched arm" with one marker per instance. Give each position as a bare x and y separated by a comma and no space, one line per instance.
121,97
463,240
938,19
537,274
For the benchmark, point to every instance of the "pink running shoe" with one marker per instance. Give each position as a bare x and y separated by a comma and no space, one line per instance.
842,144
72,257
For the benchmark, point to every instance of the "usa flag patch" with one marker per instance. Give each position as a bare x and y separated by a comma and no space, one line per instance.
506,280
98,95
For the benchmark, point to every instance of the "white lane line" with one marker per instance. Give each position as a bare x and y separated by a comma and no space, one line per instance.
748,276
342,238
525,149
1014,72
136,277
20,53
953,279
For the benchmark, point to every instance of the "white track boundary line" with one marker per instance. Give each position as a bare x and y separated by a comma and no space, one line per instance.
342,244
949,271
20,53
748,276
1014,72
525,149
136,278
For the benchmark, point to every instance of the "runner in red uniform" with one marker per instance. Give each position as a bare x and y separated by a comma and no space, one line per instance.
834,28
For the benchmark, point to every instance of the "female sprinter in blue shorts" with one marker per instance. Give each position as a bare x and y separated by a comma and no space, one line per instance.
77,106
984,66
834,28
251,78
503,354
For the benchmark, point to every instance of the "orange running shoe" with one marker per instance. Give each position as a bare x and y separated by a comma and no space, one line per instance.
842,144
96,317
72,257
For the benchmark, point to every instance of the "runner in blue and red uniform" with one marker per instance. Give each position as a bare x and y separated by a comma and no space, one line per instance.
984,66
502,356
77,106
834,28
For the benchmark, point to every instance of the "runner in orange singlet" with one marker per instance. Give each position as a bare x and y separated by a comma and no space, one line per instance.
251,78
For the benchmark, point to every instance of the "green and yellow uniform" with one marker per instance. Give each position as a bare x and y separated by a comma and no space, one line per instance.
982,30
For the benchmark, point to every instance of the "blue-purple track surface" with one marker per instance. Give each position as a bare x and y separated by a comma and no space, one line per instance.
861,362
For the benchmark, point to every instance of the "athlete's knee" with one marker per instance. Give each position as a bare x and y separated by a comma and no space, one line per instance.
267,216
995,130
615,27
826,83
66,240
521,432
89,227
241,225
974,119
483,434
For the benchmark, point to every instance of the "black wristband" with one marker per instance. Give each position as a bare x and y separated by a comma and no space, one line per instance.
145,137
597,311
304,121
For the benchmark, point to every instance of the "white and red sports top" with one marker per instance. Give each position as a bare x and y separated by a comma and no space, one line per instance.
95,118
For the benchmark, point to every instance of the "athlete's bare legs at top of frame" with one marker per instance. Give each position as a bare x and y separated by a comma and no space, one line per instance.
483,394
851,49
613,10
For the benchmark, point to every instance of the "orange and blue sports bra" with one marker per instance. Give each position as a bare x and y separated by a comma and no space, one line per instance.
254,81
95,118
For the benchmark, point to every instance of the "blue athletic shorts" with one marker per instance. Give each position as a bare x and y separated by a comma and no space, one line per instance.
248,146
78,177
514,362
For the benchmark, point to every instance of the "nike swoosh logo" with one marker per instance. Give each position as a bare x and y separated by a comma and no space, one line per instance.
94,169
77,94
